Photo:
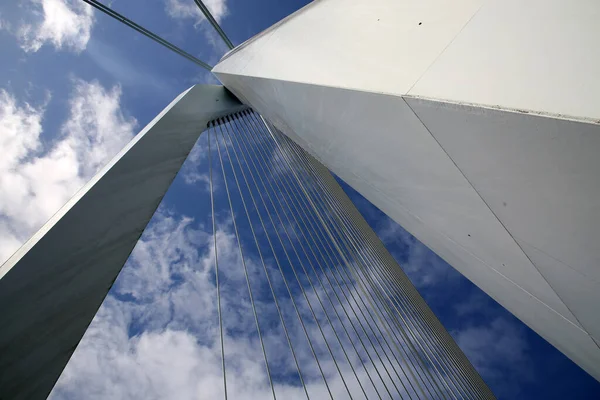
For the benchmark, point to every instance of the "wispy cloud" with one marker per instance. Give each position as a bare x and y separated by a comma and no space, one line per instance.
168,291
499,350
125,70
194,170
156,335
64,24
36,180
189,10
495,343
424,268
197,178
5,24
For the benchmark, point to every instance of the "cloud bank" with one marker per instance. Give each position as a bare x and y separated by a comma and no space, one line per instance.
37,178
63,24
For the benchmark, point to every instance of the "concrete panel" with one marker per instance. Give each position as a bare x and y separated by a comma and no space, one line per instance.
582,295
383,158
395,40
51,288
538,55
539,175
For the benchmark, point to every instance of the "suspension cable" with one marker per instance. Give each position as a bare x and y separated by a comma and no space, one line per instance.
243,259
299,241
110,12
228,128
214,228
373,316
315,292
214,23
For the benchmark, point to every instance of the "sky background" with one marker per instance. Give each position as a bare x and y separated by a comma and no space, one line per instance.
76,87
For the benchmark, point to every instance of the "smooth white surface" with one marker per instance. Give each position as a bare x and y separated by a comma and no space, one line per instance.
521,220
539,55
541,178
377,35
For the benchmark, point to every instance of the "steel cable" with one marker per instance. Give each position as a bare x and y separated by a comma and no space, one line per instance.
124,20
367,302
250,293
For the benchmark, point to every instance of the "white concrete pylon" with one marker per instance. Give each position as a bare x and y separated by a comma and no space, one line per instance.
473,124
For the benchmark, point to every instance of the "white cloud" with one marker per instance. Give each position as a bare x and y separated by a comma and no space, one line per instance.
62,23
499,350
97,128
184,9
4,24
495,343
154,365
176,355
156,335
194,177
21,127
424,268
128,71
195,168
36,180
499,342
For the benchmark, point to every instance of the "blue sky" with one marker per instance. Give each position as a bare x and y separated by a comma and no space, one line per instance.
76,87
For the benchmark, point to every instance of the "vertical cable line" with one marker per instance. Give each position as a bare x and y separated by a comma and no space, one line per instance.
310,263
354,253
345,284
304,196
385,338
258,246
212,213
324,311
126,21
304,327
379,310
332,237
378,319
320,328
271,218
382,314
255,154
262,344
